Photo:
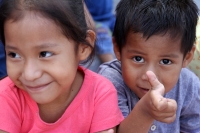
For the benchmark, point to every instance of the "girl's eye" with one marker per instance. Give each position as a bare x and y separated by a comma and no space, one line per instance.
45,54
165,62
13,55
138,59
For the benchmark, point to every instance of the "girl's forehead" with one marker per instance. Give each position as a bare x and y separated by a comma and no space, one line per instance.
27,14
31,19
30,24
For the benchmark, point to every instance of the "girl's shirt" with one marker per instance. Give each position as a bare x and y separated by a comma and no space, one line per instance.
93,109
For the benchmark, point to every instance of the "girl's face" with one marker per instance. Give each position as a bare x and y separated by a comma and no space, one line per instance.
40,59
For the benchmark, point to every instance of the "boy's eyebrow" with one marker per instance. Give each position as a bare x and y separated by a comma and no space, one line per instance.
135,51
164,55
170,55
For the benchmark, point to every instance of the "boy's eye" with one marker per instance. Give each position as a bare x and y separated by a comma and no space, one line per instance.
138,59
165,62
45,54
13,55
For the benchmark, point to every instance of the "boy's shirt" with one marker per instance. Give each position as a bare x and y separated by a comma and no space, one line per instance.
186,93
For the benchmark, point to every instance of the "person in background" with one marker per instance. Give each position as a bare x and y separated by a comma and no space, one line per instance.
2,61
104,19
156,36
195,63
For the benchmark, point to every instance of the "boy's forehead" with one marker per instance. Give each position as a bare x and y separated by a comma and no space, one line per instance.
145,38
166,40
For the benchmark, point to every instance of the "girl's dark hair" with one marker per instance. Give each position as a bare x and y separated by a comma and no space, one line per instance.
67,14
178,18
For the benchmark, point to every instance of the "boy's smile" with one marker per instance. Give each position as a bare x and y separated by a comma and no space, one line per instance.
159,53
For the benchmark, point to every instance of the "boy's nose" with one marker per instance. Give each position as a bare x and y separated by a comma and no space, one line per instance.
31,71
148,68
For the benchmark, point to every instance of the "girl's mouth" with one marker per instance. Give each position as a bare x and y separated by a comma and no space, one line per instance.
37,88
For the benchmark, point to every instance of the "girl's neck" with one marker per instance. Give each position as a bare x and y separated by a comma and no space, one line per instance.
51,112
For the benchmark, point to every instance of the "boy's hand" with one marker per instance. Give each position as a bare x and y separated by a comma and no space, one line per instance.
159,107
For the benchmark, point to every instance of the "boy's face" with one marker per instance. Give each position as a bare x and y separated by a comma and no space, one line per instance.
160,54
40,59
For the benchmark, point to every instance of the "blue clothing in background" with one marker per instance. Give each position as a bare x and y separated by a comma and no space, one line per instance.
104,9
2,61
101,11
104,39
198,3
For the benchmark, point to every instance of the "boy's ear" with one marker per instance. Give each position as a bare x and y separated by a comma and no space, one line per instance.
116,49
85,50
188,57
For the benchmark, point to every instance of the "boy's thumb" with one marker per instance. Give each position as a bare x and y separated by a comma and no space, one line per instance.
155,84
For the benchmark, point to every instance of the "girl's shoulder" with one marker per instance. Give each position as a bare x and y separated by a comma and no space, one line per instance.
97,82
8,90
7,84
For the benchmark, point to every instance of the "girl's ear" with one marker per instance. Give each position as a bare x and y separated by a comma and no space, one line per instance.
188,57
85,50
116,49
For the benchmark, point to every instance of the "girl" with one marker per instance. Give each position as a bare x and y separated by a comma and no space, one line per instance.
46,90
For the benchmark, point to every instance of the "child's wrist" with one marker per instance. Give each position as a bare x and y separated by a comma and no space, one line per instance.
144,106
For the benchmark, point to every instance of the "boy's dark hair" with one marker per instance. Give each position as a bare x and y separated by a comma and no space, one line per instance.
178,18
67,14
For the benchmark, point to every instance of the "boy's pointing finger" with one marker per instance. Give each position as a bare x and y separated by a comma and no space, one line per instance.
155,84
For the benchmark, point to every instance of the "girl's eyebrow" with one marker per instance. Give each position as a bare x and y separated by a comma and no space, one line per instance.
42,46
10,47
46,45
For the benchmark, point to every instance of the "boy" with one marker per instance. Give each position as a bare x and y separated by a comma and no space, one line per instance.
157,36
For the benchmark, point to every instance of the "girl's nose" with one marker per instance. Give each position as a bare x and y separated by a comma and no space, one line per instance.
31,71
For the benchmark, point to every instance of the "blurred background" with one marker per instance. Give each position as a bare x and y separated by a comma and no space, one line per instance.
197,2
